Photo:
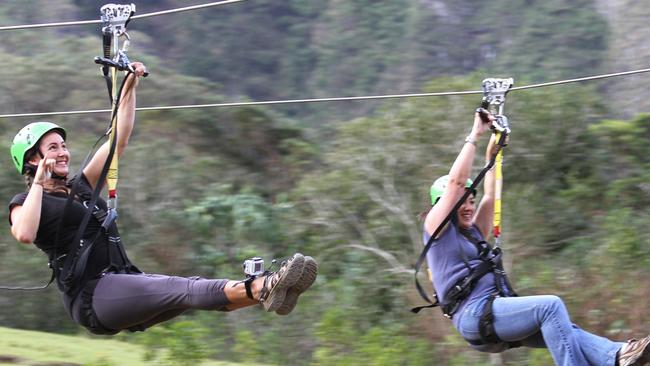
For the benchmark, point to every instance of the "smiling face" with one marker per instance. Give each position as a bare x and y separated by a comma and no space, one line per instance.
52,146
465,213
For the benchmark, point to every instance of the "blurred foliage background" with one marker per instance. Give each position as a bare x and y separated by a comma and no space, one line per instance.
203,189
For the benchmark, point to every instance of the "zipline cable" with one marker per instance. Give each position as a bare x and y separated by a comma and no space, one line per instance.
187,8
147,15
332,99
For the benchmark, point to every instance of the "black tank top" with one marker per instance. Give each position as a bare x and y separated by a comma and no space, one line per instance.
51,211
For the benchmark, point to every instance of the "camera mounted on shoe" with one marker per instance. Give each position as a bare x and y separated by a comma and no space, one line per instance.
254,267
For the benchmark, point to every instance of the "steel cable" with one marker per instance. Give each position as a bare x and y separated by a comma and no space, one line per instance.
331,99
147,15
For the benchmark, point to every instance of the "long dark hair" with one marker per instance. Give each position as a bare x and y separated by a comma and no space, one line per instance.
425,212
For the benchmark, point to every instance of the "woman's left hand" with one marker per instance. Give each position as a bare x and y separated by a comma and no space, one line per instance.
139,68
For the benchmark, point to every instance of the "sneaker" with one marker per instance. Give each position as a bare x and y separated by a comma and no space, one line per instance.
306,279
637,353
276,284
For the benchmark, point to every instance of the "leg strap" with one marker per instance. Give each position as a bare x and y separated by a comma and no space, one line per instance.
486,323
88,317
247,284
486,326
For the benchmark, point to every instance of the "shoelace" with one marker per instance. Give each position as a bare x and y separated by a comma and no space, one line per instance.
635,350
264,293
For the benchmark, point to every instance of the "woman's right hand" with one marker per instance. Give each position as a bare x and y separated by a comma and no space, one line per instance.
481,125
44,171
26,218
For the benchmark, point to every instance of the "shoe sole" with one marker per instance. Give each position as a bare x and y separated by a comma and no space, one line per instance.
307,278
637,354
289,278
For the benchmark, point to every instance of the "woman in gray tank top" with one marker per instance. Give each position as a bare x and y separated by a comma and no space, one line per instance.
531,321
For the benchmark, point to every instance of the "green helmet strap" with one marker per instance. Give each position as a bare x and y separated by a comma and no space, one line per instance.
27,138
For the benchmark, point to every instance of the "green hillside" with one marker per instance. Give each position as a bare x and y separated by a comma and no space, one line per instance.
23,347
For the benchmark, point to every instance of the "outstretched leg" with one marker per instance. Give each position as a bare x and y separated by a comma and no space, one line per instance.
518,318
123,301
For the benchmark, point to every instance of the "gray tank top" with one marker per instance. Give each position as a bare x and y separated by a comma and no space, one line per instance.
446,259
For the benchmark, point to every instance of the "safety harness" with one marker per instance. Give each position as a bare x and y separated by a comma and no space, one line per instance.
494,92
491,262
70,266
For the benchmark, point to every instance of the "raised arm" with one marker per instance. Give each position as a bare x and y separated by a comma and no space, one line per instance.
485,212
26,218
458,175
125,121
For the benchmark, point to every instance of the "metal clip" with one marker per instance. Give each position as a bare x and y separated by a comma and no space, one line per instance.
500,124
111,216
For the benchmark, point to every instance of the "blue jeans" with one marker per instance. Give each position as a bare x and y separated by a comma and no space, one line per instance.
540,322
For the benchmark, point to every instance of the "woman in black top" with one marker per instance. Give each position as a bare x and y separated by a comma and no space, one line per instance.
110,295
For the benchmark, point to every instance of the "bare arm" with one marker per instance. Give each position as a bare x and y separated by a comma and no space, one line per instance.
25,219
458,175
125,118
485,213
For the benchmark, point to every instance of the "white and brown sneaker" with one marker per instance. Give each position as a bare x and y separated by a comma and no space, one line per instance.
635,353
307,278
276,284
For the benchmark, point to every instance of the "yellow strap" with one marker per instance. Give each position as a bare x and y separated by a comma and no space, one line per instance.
111,177
498,185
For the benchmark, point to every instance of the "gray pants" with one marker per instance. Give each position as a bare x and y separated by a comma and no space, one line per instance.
123,301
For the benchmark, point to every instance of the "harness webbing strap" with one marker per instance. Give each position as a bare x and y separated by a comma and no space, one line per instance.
486,328
500,277
34,288
79,251
112,174
115,18
490,263
498,187
107,38
464,287
247,285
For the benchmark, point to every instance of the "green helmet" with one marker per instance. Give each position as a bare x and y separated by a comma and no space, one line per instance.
27,138
438,188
